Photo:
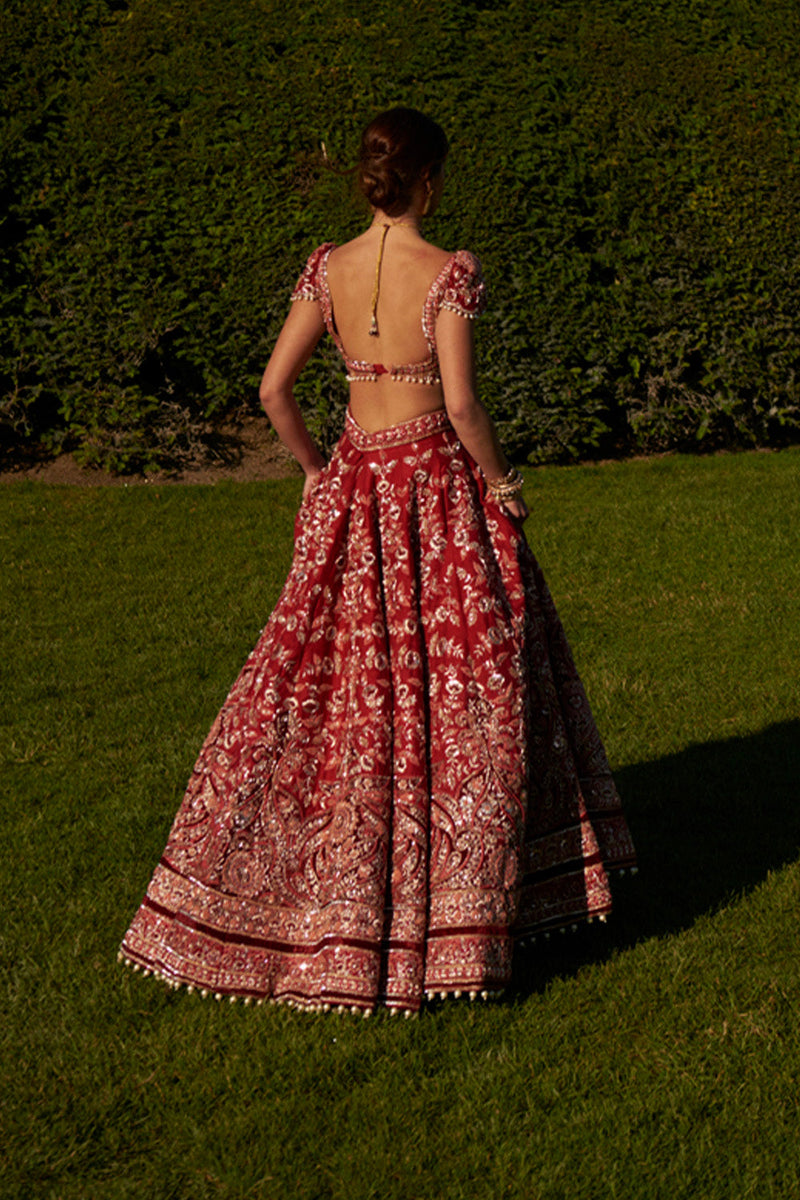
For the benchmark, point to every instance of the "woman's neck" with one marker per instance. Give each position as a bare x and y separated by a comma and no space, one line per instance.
407,220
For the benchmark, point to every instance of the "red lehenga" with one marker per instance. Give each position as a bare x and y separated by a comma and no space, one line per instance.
406,778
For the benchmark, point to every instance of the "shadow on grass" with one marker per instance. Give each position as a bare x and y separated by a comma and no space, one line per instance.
708,823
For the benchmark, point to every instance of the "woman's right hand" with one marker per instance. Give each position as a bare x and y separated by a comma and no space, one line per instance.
310,481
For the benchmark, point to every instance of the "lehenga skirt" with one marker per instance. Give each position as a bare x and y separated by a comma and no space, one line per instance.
405,779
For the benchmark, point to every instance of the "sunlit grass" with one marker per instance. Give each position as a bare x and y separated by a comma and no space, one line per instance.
658,1058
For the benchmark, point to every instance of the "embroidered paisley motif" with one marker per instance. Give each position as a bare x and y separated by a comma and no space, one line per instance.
406,775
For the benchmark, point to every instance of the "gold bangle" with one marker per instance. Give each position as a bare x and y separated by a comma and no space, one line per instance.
511,476
505,497
507,488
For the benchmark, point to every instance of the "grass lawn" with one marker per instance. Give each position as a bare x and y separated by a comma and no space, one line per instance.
658,1057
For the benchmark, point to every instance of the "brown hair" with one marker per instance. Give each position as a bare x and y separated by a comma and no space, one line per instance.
398,149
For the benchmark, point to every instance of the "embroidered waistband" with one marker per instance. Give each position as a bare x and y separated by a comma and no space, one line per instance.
396,435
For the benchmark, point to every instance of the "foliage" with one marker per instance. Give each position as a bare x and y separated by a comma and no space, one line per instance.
629,177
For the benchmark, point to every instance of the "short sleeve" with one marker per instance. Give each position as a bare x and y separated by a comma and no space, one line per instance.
464,290
308,285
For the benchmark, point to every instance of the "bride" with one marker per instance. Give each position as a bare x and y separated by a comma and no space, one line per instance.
405,781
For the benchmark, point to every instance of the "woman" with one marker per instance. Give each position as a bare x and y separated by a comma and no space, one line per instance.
405,779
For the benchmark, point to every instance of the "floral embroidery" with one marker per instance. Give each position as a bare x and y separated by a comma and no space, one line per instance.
459,287
406,776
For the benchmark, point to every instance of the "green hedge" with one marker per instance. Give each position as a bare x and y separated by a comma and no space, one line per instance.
628,175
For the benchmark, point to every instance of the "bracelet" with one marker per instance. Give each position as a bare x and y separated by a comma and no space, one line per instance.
508,487
511,476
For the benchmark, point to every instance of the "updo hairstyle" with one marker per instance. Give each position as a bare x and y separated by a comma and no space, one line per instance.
399,148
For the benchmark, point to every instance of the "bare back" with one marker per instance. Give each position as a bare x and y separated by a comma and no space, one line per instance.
408,268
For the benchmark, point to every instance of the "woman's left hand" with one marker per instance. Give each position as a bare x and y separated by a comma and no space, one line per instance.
516,508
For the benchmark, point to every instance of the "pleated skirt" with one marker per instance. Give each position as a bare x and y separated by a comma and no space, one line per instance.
405,780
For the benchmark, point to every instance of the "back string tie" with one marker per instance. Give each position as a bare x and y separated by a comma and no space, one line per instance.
376,291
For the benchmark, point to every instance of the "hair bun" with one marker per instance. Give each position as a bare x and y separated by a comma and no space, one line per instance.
398,149
384,188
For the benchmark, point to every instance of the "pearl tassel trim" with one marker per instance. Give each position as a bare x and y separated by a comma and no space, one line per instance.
315,1006
312,1006
303,1006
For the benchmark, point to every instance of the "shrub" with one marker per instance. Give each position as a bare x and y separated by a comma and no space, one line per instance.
630,180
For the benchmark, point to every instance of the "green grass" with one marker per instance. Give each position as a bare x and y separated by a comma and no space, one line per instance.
657,1058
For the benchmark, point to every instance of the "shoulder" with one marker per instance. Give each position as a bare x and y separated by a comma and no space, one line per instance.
308,285
461,285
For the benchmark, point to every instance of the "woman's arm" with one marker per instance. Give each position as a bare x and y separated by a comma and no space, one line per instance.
301,331
455,344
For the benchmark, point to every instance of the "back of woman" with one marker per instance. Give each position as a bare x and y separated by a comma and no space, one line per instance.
408,268
405,783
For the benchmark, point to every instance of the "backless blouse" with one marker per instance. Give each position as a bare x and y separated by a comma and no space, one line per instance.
459,287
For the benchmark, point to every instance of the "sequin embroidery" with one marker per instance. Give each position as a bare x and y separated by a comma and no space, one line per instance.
459,287
406,778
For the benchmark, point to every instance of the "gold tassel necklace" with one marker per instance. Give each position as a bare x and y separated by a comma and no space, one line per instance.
376,289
